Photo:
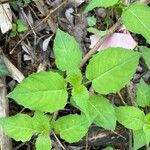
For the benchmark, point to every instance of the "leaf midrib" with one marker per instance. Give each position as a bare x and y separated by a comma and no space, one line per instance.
114,67
139,20
75,126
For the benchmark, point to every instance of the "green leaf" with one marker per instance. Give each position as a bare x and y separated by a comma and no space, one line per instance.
18,127
130,117
111,69
96,31
21,26
143,94
100,3
67,51
3,69
139,139
41,122
91,21
146,129
26,2
13,34
147,118
43,142
136,19
72,128
74,77
80,96
108,148
104,112
146,56
43,91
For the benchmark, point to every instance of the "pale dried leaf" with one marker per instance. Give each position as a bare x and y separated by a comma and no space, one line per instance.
123,40
46,42
5,18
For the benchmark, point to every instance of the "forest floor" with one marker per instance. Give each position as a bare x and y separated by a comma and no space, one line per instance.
30,50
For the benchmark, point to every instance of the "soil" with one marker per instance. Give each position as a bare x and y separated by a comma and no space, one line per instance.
29,55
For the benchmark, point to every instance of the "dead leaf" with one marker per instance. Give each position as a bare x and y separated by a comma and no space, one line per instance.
5,18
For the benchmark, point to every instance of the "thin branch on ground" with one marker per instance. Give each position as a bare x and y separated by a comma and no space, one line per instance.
58,140
40,23
121,98
100,42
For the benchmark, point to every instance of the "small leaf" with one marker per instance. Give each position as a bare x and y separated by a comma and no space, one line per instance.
43,142
139,139
80,96
41,122
100,3
26,2
67,51
21,26
74,77
13,34
72,128
91,21
3,69
18,127
147,118
139,15
110,76
104,112
146,129
108,148
96,31
130,117
146,56
43,91
143,94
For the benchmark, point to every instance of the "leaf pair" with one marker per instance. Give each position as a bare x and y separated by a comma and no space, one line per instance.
22,127
135,119
73,128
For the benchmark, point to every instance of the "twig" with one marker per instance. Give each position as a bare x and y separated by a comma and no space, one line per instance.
130,88
40,23
122,99
100,42
58,140
86,144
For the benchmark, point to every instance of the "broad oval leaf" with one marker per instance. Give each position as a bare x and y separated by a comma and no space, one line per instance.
18,127
43,91
130,117
43,142
67,51
104,112
72,128
136,19
143,94
100,3
111,69
146,56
